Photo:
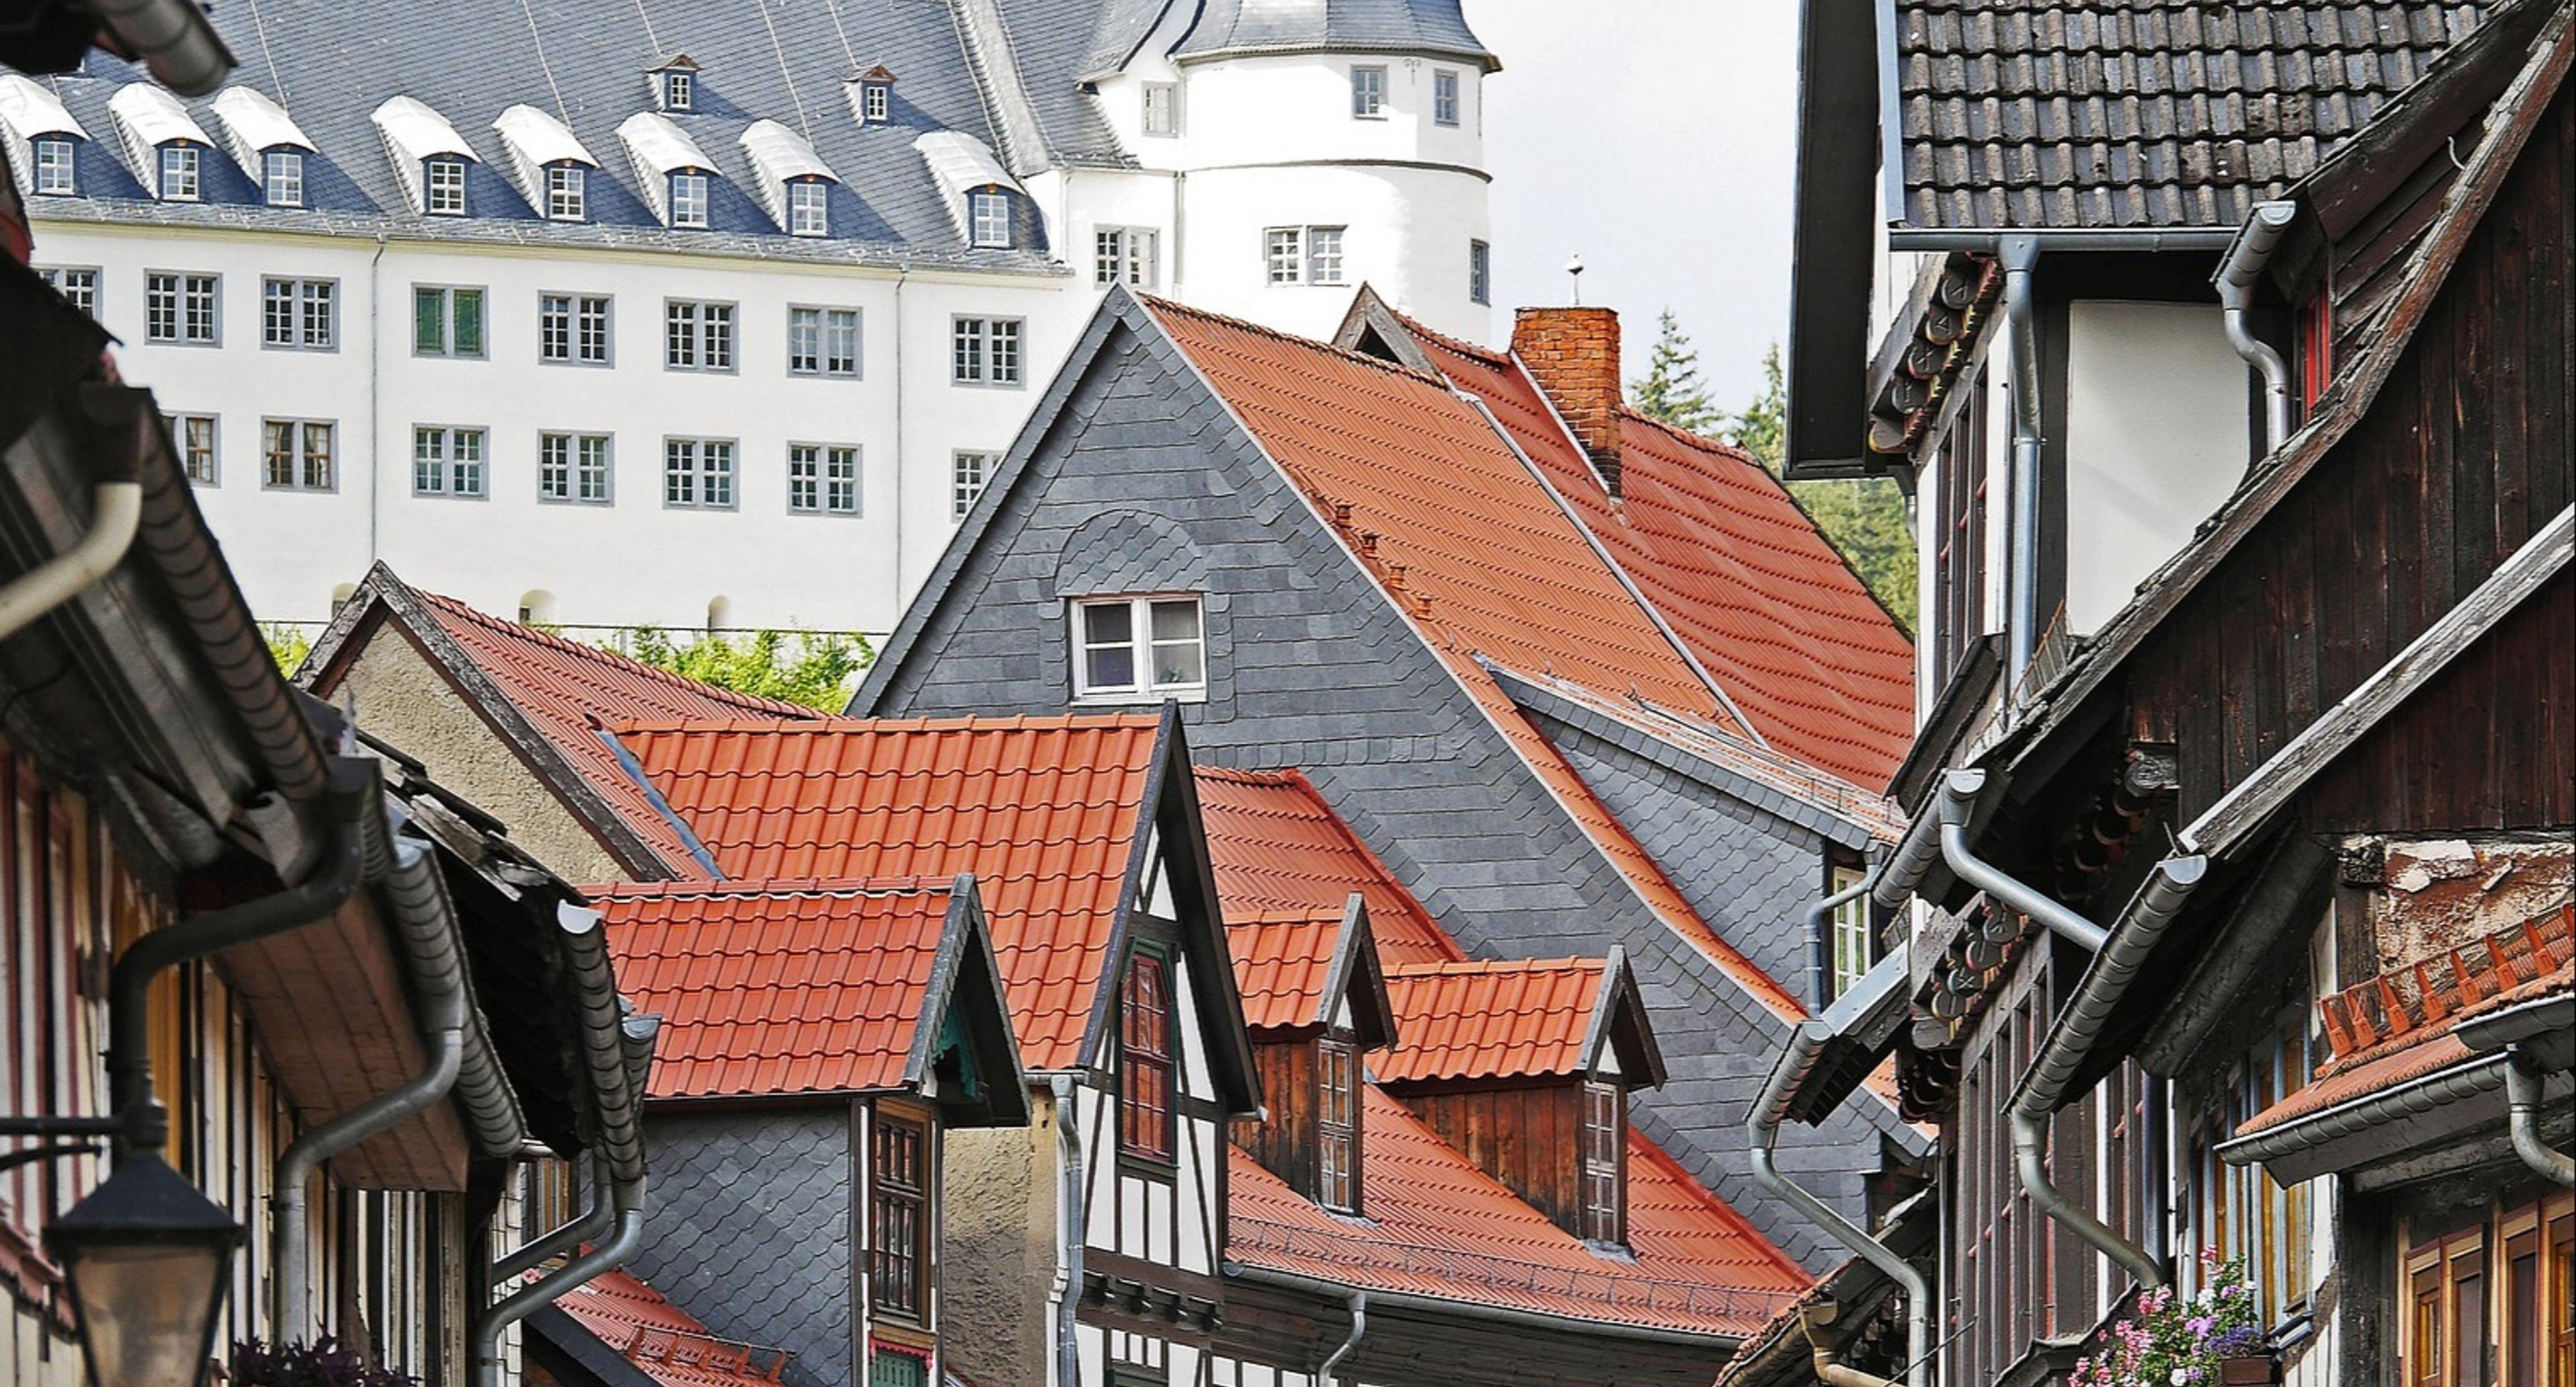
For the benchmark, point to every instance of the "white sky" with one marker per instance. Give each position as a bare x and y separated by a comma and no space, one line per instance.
1655,138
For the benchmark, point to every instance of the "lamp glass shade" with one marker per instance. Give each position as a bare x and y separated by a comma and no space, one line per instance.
147,1314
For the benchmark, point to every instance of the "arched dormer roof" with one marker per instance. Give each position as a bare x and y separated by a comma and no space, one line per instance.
537,141
147,118
779,156
414,134
659,148
1229,28
30,111
255,124
962,164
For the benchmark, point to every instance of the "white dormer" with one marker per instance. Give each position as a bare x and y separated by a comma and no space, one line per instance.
552,164
164,145
795,185
266,142
983,199
40,136
871,96
677,176
429,156
674,83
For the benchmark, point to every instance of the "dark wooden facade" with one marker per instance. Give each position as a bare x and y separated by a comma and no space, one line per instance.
1528,1135
1287,1144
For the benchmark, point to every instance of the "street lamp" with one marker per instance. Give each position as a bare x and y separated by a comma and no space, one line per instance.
148,1259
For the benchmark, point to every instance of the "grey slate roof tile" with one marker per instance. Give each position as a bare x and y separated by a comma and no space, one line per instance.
1254,26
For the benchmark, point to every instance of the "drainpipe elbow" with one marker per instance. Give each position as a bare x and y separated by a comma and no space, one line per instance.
2030,1162
2522,1087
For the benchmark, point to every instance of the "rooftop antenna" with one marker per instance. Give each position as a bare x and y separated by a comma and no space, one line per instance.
1574,267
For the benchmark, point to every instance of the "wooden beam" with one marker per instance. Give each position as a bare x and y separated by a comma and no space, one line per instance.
2233,819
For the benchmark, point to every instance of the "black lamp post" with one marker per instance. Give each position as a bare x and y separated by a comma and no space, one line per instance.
148,1259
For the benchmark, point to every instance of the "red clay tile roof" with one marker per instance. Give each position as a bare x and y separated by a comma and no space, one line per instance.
1282,965
1280,851
2389,1064
1520,1018
1042,810
669,1344
2369,1016
1437,1226
1735,566
566,690
777,987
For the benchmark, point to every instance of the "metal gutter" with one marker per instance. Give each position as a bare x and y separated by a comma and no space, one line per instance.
1958,800
2060,238
2238,277
2020,255
115,508
1498,1314
2522,1117
527,1300
2468,1079
1072,1233
2536,1038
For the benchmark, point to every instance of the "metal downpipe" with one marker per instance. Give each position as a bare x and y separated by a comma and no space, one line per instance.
2020,256
1068,1346
1986,877
528,1300
1827,1360
2522,1099
2238,276
115,512
1359,1326
594,1219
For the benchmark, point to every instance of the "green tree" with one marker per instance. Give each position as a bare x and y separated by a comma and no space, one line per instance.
1671,391
288,645
817,670
1864,518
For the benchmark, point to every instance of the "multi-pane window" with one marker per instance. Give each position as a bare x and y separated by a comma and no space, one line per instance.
179,173
1302,254
573,327
899,1217
1605,1145
1162,108
446,321
822,341
1444,96
299,313
809,208
1124,255
194,434
1323,255
573,467
1850,946
822,479
1368,93
1480,272
442,183
988,214
984,351
179,308
1145,1059
688,199
1959,537
2242,1212
567,193
697,473
1139,646
892,1365
967,473
55,169
77,285
281,178
876,99
679,89
446,461
697,336
1337,1125
296,454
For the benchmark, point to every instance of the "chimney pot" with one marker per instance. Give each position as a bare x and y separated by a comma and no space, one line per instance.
1573,354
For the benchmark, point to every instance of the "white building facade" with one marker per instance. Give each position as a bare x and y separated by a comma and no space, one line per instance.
664,318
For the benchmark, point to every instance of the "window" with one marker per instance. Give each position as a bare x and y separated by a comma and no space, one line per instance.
300,314
1145,1059
689,199
282,177
1280,247
1480,272
2242,1212
55,171
822,479
1605,1145
823,342
179,308
446,321
875,99
573,328
446,462
1124,255
194,435
988,212
573,467
1303,254
967,473
890,1365
1368,93
697,473
1162,108
1123,638
443,187
1323,255
899,1217
678,90
1850,945
79,287
809,208
179,173
697,336
1444,96
984,351
1337,1125
296,454
566,193
1959,537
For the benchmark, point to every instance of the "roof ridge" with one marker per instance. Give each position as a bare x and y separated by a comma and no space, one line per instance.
1495,966
1162,305
1459,345
883,887
605,655
836,723
1245,775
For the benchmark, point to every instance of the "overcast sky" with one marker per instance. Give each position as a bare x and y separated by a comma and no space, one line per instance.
1655,138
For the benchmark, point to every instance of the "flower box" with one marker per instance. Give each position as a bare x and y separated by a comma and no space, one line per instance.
2255,1370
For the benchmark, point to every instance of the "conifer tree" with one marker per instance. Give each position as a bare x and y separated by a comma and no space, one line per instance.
1671,391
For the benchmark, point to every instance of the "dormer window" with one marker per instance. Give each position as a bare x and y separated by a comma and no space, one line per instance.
679,89
809,208
1851,948
54,168
1337,1125
988,211
876,101
1605,1159
1139,647
1145,1128
282,178
179,170
565,193
689,199
442,183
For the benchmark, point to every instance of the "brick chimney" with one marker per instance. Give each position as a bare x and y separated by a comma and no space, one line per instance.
1574,353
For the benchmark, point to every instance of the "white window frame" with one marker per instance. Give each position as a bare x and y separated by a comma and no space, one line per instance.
576,459
1141,645
1480,272
877,98
1327,266
181,170
813,331
193,297
970,470
1160,112
571,313
679,90
1849,946
449,461
988,216
300,454
196,436
281,177
442,186
1129,255
567,193
988,351
311,320
57,172
1283,255
809,207
1368,91
700,473
78,284
1446,103
698,335
823,478
692,195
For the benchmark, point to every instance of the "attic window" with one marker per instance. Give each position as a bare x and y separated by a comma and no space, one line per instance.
54,167
565,193
442,183
988,212
179,173
679,89
1139,647
809,208
1145,1059
1337,1125
1162,108
1850,945
1605,1146
877,100
282,177
689,199
1368,93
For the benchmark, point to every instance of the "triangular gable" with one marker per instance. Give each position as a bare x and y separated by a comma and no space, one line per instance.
1302,974
966,1050
1281,851
1519,1020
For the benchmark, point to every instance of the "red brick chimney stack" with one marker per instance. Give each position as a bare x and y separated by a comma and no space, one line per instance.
1574,353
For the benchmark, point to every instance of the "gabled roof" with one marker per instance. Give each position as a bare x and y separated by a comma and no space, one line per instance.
1520,1018
547,696
777,989
1281,851
1297,972
669,1346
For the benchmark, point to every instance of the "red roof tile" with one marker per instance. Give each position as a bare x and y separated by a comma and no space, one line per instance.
2387,1065
2368,1017
669,1344
1282,965
1513,1018
1281,852
778,987
1437,1226
1042,810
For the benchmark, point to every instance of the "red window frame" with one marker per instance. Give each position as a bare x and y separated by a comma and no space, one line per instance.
1145,1117
899,1217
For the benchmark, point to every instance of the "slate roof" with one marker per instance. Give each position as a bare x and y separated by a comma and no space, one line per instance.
1349,26
2140,113
1043,811
671,1346
1492,1019
1282,853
